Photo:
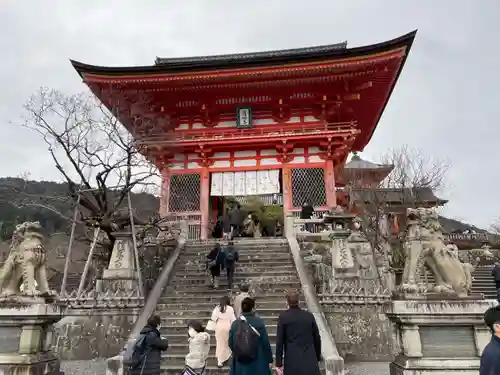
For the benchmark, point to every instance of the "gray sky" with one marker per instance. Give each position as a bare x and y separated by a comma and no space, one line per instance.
446,102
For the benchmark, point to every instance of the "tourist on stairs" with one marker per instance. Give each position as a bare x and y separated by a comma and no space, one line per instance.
490,359
306,213
223,316
214,263
226,225
496,277
249,342
149,346
231,256
236,220
199,347
244,293
298,337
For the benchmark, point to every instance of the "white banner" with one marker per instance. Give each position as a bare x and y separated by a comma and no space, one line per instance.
226,184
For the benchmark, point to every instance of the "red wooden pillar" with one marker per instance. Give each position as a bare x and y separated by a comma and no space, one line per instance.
204,202
165,192
286,173
331,196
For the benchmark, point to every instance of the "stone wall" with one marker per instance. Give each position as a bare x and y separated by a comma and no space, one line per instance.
85,334
352,301
362,331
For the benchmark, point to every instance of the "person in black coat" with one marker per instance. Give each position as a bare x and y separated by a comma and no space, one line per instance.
307,212
490,359
298,339
154,344
215,262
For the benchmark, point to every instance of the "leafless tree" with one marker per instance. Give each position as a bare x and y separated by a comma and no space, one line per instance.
94,154
412,171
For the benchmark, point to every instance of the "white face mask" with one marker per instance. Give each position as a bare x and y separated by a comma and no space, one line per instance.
158,327
191,332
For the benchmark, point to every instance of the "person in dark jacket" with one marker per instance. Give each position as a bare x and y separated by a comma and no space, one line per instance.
154,344
307,212
496,278
262,364
231,256
298,339
490,359
215,262
226,225
236,220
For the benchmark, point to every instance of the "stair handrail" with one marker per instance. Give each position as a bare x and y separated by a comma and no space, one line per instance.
334,363
114,365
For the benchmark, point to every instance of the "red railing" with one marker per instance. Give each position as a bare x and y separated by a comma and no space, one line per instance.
218,134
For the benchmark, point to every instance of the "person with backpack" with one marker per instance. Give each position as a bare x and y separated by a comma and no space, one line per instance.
231,256
214,263
249,342
146,355
297,340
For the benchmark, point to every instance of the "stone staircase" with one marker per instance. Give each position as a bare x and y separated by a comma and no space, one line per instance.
265,264
483,282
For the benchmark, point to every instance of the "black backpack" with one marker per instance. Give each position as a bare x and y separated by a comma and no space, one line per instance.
139,352
230,255
246,342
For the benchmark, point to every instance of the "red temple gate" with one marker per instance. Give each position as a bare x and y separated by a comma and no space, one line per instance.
276,124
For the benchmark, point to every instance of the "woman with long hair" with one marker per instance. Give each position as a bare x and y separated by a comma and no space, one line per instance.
199,347
214,263
223,316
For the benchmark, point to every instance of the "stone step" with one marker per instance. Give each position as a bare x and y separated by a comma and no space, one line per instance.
181,328
242,273
183,348
187,290
214,298
168,320
181,338
241,242
277,258
262,247
238,279
245,267
204,314
193,306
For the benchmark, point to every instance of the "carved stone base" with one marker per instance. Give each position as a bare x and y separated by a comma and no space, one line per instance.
26,330
34,364
410,366
439,336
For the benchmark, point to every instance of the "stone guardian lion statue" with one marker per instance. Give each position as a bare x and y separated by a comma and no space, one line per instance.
425,247
25,265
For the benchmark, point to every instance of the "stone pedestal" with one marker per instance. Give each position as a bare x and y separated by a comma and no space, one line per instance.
26,337
438,336
121,272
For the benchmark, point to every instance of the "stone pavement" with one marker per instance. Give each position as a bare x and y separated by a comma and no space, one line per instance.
98,367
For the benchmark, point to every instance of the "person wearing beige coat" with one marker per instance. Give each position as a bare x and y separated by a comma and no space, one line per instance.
244,293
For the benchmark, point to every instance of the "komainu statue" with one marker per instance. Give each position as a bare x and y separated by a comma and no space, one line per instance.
425,249
25,264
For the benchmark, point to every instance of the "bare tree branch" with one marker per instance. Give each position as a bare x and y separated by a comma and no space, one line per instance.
93,152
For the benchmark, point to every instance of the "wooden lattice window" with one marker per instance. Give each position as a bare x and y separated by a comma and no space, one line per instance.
184,193
308,186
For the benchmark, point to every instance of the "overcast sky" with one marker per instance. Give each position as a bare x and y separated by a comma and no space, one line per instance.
446,102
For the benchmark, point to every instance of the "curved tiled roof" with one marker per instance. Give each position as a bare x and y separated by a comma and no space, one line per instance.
293,52
191,64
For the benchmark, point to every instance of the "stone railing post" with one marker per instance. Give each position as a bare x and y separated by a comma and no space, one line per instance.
410,337
334,363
